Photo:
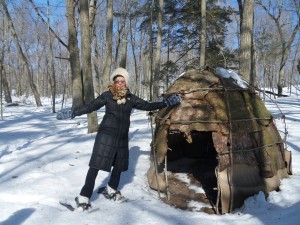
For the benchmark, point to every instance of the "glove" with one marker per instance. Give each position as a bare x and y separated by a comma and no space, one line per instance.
65,114
172,100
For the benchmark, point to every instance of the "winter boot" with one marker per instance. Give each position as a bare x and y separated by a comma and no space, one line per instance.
83,203
112,194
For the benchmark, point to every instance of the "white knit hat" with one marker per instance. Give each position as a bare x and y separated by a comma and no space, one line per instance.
121,72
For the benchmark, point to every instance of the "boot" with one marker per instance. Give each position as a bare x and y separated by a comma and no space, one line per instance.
112,194
83,203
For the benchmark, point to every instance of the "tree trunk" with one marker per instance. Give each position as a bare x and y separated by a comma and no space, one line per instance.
19,77
92,14
22,56
4,84
285,44
246,39
96,61
52,75
168,60
6,89
87,63
133,47
120,29
74,55
284,56
108,49
158,51
139,76
123,60
253,73
97,57
37,59
150,73
203,34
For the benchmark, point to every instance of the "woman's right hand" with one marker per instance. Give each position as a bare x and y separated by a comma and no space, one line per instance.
65,114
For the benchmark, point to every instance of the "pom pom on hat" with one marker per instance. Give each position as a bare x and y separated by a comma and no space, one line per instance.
121,72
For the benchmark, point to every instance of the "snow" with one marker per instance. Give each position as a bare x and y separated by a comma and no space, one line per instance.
43,160
228,73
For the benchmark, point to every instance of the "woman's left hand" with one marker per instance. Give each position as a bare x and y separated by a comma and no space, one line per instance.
173,100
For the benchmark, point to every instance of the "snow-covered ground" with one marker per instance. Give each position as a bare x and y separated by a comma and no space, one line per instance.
43,160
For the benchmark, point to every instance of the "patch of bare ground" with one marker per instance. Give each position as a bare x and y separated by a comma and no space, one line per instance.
184,193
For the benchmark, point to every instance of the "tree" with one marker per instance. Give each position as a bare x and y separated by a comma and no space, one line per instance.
22,55
72,46
134,48
157,53
108,41
96,31
52,78
158,50
246,32
122,33
150,52
203,34
87,63
74,55
83,90
275,12
186,31
4,83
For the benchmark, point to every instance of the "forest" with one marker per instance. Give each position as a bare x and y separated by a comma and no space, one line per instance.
51,48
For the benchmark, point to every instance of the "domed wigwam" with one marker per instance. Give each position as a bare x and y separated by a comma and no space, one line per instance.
220,139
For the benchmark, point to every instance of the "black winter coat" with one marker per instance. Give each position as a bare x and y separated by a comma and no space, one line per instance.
111,143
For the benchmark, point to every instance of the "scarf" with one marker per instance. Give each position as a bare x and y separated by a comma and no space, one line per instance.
119,93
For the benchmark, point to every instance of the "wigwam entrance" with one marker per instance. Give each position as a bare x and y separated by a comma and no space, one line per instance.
215,149
191,171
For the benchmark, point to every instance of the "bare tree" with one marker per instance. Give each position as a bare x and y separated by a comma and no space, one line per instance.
87,63
286,42
123,60
158,50
246,32
108,41
92,14
74,55
97,57
52,78
72,46
4,87
96,62
22,55
4,83
132,24
123,31
150,66
203,34
121,26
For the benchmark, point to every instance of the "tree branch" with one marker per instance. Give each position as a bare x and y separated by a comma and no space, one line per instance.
45,22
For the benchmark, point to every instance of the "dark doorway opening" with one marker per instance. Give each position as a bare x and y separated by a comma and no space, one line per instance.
191,171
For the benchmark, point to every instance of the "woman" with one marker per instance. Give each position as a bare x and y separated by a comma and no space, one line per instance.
111,143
